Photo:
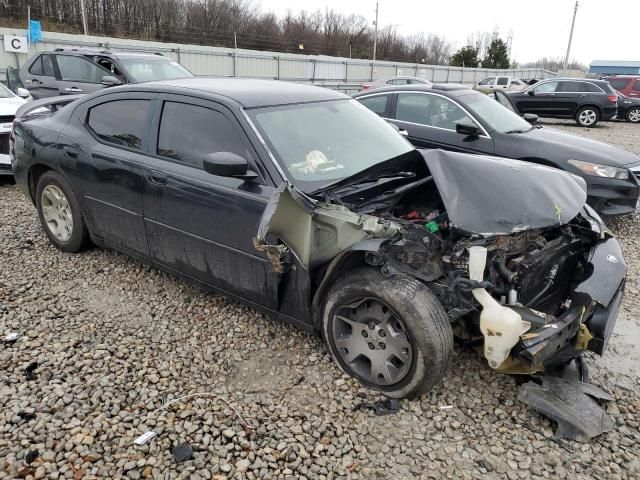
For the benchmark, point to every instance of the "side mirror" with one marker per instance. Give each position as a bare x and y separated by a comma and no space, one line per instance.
531,92
532,118
110,81
227,164
23,93
468,128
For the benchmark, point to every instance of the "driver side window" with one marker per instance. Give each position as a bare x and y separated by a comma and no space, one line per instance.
546,87
429,110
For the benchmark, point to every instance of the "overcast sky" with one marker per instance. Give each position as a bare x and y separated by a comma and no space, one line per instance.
605,29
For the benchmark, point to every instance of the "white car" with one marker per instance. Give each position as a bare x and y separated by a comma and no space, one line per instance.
489,84
9,103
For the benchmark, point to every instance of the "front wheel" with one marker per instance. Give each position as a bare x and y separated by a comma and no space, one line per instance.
391,333
587,116
633,115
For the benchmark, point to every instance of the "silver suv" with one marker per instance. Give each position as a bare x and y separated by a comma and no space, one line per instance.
82,70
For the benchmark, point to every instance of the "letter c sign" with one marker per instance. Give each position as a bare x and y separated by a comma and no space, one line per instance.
15,44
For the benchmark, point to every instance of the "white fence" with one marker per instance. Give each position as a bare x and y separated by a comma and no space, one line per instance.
336,72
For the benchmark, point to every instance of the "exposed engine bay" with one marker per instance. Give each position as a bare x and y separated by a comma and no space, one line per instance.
509,272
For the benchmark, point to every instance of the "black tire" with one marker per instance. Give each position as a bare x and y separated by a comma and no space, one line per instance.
633,115
587,116
79,237
425,323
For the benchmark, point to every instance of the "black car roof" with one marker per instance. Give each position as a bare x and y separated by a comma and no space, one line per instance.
250,93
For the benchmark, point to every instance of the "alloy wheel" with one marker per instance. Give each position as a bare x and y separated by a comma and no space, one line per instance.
56,212
634,115
372,341
588,117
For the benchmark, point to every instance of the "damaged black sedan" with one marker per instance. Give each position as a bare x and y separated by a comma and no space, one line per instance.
306,205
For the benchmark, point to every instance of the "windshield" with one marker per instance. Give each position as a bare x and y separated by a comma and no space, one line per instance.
322,143
145,70
499,117
5,92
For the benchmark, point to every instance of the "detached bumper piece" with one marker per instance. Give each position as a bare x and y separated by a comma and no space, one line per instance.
572,404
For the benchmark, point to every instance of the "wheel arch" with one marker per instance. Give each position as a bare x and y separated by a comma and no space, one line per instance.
352,258
33,176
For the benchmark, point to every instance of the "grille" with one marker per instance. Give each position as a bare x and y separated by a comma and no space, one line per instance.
4,143
6,118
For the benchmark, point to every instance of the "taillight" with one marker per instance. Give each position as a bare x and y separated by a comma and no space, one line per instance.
612,98
366,87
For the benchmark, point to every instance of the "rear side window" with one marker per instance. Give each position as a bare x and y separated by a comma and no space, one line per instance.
589,87
377,104
487,81
503,80
619,83
122,122
636,86
189,133
78,69
42,66
36,66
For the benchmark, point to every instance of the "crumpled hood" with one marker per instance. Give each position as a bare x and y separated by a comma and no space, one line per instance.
8,106
564,146
496,196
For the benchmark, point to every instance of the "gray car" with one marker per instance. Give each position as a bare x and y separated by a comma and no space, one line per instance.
385,82
77,71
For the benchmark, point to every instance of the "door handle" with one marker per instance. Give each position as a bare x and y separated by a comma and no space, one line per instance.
70,152
73,89
157,178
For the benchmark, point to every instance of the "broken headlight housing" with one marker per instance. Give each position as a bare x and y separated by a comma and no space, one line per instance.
599,170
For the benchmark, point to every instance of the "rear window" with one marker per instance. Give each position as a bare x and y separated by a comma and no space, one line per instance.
619,83
122,122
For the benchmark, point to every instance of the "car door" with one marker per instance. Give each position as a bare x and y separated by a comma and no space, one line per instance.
103,152
39,77
430,121
569,94
200,224
78,75
539,99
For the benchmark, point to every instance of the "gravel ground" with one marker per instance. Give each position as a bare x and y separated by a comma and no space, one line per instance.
115,340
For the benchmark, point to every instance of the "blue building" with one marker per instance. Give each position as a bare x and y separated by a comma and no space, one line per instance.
613,67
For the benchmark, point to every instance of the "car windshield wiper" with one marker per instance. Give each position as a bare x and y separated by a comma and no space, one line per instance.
365,180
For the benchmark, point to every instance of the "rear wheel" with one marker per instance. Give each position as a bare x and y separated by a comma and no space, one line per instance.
60,214
633,115
587,116
390,333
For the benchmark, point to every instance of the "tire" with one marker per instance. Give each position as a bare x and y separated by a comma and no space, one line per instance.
58,208
633,115
587,116
422,337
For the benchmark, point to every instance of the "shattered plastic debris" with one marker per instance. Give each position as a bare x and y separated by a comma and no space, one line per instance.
11,337
29,371
572,404
381,407
30,456
145,437
182,452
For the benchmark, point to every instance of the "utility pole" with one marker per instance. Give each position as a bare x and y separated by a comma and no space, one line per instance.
375,34
573,22
84,17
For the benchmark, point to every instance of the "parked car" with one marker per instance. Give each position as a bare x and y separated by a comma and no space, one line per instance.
628,85
586,101
382,82
302,203
82,70
9,104
464,120
628,108
489,84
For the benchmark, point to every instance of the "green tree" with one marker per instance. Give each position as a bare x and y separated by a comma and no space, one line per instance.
497,55
465,57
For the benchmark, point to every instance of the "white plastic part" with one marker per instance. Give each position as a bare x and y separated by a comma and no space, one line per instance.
145,437
477,262
500,325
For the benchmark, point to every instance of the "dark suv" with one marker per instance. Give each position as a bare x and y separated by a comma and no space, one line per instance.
82,70
587,101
